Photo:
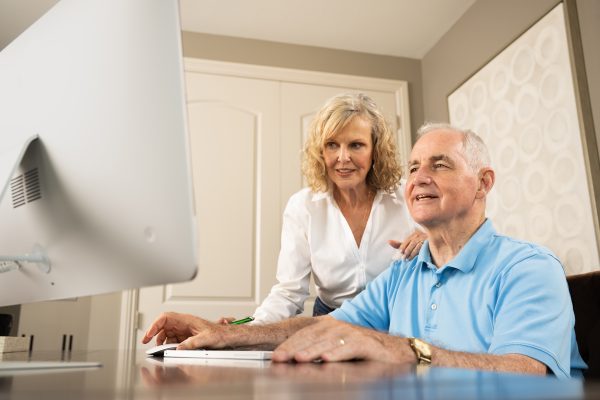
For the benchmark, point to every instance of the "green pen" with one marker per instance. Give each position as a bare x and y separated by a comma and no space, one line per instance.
242,321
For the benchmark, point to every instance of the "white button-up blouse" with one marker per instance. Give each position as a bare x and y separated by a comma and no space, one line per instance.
316,239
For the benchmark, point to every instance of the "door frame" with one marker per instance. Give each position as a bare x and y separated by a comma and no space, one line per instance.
129,305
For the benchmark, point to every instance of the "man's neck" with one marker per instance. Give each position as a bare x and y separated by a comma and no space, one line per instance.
445,242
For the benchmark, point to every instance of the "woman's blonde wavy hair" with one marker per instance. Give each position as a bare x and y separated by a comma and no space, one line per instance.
385,173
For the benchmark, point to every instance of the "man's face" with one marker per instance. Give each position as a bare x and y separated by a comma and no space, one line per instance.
441,186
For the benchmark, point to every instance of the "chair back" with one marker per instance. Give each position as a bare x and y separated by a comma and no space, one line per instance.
585,295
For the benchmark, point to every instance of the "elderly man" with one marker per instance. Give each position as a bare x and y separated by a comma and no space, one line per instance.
471,299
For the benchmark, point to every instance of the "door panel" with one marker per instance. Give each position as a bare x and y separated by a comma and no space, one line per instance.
234,128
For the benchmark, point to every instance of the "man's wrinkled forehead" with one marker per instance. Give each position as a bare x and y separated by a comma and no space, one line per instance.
438,146
448,159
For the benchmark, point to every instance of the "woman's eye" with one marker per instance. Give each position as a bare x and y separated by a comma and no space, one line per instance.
331,145
356,146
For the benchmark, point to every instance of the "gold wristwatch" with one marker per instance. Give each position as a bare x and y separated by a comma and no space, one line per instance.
422,350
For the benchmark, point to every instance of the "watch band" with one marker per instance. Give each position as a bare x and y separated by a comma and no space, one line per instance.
422,350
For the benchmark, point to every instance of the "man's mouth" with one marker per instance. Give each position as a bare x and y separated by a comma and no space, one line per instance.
420,197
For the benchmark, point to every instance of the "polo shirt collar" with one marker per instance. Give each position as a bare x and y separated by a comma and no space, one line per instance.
466,258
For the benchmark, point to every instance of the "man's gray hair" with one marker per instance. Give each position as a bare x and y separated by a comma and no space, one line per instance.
475,151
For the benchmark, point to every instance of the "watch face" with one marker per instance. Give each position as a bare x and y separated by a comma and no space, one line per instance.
422,350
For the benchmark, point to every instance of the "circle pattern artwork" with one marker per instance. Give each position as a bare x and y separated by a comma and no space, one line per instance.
510,197
530,143
567,216
575,256
522,65
522,103
539,223
478,97
514,226
563,169
547,46
507,155
526,104
502,118
535,184
556,130
552,86
499,82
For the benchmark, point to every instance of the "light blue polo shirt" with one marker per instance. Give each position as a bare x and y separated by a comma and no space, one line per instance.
498,295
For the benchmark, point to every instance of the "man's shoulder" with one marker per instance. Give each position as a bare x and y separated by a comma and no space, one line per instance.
403,269
521,245
518,250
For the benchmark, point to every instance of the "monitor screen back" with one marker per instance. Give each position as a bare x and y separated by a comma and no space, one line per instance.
108,183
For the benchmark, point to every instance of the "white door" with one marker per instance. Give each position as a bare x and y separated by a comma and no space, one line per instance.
246,137
234,128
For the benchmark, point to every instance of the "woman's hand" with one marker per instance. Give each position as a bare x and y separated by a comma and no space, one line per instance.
225,320
410,246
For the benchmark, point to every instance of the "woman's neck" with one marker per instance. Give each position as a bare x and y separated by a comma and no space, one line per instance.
355,206
355,197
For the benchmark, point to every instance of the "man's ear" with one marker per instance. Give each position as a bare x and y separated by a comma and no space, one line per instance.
487,177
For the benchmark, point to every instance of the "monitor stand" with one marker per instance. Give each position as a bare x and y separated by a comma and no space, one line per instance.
9,163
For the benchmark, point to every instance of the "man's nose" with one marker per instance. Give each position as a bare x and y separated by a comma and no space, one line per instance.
420,176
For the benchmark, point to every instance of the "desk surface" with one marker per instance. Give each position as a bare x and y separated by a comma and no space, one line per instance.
142,378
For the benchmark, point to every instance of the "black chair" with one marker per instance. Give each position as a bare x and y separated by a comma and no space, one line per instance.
585,295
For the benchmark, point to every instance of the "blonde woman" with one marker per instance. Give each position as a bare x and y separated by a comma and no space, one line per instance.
337,229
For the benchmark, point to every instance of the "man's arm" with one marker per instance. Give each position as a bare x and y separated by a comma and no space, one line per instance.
193,332
507,362
332,340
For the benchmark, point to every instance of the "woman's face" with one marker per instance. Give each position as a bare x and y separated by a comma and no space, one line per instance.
349,155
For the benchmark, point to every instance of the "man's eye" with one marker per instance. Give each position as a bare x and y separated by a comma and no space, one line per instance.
412,169
439,165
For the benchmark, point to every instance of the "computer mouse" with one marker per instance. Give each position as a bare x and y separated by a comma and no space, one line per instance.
158,351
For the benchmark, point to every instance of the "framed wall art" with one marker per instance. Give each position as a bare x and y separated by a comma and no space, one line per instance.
523,104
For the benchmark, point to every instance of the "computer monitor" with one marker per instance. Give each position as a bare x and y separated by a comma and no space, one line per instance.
95,178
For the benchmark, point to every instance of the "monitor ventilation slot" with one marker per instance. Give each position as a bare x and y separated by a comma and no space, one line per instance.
25,188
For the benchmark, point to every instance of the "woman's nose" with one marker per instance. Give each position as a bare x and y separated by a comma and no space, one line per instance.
343,154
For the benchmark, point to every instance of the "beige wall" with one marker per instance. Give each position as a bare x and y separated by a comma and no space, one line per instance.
250,51
483,31
479,35
589,24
